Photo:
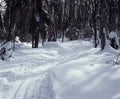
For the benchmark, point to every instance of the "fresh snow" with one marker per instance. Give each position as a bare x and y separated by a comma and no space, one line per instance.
69,70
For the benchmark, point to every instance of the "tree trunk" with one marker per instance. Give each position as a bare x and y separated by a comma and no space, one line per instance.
102,35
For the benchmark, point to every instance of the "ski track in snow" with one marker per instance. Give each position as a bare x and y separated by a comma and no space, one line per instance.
36,88
17,94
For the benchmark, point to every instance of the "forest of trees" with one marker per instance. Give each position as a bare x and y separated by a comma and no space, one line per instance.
48,20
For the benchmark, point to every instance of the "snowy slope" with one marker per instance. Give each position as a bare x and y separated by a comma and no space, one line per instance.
69,70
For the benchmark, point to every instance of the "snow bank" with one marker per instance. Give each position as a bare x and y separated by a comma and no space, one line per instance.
113,35
87,76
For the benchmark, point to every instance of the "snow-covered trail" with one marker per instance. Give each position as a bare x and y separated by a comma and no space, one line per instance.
28,74
69,70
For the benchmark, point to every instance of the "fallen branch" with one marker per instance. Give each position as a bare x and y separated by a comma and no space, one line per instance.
114,60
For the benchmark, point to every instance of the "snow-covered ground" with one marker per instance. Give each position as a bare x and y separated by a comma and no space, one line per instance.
69,70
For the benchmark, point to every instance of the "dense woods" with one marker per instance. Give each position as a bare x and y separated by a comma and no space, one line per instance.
49,20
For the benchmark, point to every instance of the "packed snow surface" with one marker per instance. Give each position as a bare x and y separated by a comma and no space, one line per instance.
69,70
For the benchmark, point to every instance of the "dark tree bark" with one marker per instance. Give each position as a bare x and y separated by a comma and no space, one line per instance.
1,24
94,23
102,23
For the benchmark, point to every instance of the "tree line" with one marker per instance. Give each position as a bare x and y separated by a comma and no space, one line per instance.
52,19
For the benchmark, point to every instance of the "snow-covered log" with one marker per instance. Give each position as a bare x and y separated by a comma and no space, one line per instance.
114,41
6,51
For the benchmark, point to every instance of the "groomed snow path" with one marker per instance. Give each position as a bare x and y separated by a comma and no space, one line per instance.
69,70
